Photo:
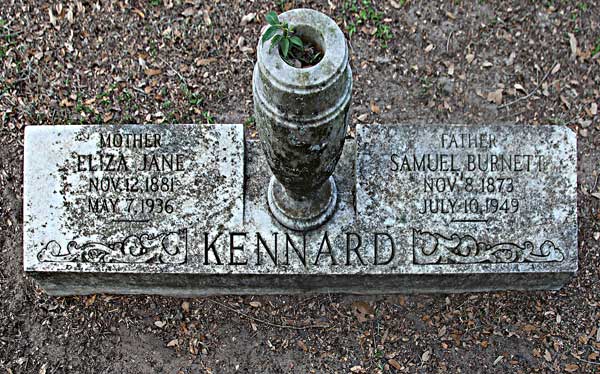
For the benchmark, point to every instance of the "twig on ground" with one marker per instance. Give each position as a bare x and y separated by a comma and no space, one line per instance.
175,70
267,322
448,41
511,115
10,35
586,361
139,90
532,91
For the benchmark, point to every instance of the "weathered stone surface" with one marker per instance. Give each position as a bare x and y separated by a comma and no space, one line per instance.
127,198
302,117
237,251
485,199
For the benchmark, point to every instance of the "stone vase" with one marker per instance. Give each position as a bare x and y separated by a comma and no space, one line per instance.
302,118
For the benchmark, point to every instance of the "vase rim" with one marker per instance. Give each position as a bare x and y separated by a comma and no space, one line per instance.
312,78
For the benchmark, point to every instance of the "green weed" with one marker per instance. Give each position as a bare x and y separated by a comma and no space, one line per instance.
364,13
208,117
249,121
596,49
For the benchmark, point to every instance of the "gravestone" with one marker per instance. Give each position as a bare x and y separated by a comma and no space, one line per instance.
125,199
182,210
497,202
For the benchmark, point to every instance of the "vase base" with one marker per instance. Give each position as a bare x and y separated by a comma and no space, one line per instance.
305,214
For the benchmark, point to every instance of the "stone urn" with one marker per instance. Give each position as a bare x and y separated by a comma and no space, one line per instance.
302,118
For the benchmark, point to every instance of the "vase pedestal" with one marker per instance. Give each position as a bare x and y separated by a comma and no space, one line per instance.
302,213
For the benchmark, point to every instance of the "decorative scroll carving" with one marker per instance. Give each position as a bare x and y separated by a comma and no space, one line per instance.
433,248
165,248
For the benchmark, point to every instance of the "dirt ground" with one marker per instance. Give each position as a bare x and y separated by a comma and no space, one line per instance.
178,61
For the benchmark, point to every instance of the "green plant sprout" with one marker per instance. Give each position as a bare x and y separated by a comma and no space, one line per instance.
286,39
361,13
291,46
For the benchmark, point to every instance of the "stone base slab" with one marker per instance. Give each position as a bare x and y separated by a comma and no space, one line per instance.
190,285
254,254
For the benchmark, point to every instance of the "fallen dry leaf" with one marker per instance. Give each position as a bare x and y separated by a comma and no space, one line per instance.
192,348
363,117
52,17
395,4
571,368
573,45
66,103
442,331
240,42
160,324
189,12
511,59
565,101
173,343
495,96
363,311
69,15
395,364
426,356
470,57
529,328
206,18
302,346
185,306
518,87
152,72
374,108
205,61
90,300
255,304
247,18
429,48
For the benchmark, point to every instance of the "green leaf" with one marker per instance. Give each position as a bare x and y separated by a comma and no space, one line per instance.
297,41
275,41
271,31
285,46
272,18
315,57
